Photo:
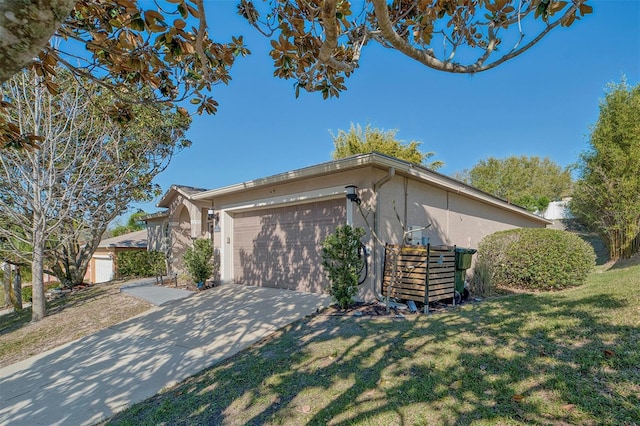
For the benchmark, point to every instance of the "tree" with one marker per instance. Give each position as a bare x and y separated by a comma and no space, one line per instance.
134,223
317,43
606,196
164,46
529,182
356,141
59,198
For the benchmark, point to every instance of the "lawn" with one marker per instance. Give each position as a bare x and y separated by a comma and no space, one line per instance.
79,314
569,357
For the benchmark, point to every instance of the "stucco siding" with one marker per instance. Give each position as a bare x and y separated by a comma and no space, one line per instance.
156,240
470,221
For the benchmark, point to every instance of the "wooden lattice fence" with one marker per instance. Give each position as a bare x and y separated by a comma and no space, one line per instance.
422,273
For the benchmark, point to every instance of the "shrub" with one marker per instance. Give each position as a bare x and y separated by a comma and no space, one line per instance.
342,263
140,263
536,259
197,260
481,284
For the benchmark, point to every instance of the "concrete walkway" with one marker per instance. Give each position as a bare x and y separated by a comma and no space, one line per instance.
146,289
92,378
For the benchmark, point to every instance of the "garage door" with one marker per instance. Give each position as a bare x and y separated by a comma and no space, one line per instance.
281,247
104,269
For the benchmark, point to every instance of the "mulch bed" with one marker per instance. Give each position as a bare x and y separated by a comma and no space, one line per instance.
378,309
359,309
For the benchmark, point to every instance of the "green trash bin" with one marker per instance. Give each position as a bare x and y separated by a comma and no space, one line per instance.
463,262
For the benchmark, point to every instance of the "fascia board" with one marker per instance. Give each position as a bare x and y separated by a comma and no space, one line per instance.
304,173
375,160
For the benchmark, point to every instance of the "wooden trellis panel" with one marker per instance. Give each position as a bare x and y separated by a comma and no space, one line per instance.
422,271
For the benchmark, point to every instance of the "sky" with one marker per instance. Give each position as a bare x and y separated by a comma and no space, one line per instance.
541,103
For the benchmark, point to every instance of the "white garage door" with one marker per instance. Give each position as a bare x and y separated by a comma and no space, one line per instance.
104,269
281,247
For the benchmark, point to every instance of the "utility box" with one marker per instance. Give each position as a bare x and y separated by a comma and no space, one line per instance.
417,236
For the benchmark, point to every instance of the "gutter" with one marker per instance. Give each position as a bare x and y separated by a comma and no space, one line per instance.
376,221
373,159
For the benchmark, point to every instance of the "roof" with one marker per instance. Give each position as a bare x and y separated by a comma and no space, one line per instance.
156,215
186,191
401,167
137,239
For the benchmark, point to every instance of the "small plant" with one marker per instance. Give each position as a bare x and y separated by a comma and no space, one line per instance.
481,284
197,260
536,259
343,263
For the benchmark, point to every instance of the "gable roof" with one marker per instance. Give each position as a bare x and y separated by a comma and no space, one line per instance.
374,159
186,191
136,239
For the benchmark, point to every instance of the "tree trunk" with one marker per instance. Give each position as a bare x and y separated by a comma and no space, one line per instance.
70,264
6,284
38,302
26,27
17,289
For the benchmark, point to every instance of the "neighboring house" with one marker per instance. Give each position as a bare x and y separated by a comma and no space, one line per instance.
558,210
103,264
269,231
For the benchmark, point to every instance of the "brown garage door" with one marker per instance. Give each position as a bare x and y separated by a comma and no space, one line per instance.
281,247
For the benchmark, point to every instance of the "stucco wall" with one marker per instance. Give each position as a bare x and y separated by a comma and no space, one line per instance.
453,218
156,238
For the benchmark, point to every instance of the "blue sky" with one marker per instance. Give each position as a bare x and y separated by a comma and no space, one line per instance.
540,103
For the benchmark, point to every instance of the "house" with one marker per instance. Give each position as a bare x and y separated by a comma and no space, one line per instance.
103,265
558,210
269,231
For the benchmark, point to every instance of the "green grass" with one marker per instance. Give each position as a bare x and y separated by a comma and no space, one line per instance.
570,357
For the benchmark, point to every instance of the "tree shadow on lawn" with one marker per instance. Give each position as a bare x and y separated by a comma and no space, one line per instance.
530,359
17,319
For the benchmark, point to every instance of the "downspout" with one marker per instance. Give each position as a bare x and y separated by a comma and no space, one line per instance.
377,251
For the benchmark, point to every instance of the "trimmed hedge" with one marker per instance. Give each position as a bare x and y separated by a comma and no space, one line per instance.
141,263
537,258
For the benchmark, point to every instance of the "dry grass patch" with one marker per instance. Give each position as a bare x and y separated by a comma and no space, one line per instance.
79,314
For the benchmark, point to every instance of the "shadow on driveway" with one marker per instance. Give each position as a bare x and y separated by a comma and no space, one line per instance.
92,378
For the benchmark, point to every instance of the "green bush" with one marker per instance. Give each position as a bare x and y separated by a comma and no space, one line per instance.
140,263
536,258
197,260
27,291
342,263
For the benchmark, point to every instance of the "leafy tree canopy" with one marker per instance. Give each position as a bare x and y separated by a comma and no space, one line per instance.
359,141
166,45
530,182
134,223
607,193
319,43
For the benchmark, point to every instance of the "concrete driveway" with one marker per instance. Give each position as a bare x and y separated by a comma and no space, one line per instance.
92,378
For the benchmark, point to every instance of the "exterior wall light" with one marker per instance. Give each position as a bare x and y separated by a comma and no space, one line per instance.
352,194
211,215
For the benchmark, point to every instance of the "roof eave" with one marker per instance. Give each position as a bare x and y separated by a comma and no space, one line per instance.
372,159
